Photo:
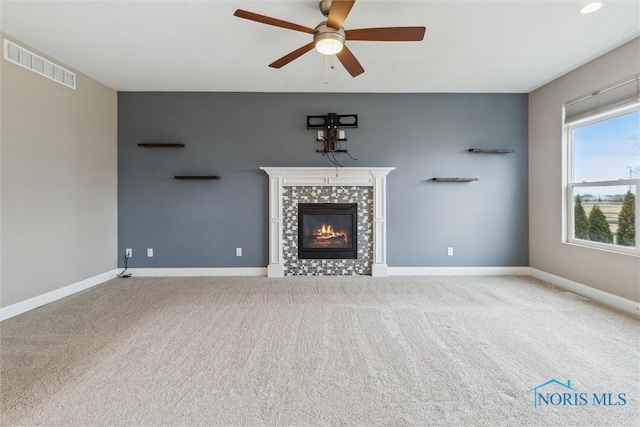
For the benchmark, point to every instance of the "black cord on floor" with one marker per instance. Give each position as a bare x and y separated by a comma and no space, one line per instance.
126,261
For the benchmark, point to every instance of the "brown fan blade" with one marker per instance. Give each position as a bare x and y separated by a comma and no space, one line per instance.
271,21
350,62
390,34
338,13
291,56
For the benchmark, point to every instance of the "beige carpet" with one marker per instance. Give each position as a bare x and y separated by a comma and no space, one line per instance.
316,351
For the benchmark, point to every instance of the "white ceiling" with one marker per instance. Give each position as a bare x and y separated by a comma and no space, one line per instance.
185,45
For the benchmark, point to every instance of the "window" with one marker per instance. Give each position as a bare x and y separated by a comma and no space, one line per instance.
603,179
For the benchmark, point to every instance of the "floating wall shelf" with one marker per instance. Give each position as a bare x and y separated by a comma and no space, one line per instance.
197,177
160,145
492,150
454,179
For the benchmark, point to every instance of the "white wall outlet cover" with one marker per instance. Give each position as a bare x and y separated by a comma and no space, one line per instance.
238,251
149,252
128,252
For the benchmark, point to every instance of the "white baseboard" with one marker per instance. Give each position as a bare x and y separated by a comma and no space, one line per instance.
196,272
459,271
379,270
615,301
40,300
618,302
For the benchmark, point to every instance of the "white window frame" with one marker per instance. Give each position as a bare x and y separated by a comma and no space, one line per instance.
570,185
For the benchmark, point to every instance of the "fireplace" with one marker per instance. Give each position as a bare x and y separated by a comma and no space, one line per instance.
327,231
291,186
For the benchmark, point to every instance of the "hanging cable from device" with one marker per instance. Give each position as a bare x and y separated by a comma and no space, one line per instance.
126,262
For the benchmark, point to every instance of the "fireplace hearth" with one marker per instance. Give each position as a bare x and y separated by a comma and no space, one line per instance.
327,231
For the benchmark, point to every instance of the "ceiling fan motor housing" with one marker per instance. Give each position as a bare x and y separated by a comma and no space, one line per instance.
324,32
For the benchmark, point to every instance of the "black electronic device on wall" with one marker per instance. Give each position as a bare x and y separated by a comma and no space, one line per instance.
330,134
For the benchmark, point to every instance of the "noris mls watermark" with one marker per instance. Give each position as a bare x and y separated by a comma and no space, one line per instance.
556,393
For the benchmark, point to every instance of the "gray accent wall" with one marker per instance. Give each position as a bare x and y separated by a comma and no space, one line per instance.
58,182
200,224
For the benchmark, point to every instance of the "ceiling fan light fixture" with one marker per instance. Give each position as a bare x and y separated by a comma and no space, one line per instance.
329,46
328,41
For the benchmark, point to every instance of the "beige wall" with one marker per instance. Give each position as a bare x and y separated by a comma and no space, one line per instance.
58,182
607,271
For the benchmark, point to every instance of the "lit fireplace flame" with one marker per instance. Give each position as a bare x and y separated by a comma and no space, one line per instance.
327,232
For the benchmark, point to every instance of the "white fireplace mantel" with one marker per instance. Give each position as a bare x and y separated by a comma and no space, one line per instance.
327,176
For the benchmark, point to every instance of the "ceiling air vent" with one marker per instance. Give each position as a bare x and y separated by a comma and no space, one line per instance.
29,60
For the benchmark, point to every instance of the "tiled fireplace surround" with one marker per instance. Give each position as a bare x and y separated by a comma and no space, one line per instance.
364,186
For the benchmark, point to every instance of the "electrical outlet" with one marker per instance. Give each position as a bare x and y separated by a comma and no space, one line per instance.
320,135
341,134
238,251
149,252
128,253
450,251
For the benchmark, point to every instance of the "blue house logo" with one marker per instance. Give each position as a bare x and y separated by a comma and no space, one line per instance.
556,393
546,397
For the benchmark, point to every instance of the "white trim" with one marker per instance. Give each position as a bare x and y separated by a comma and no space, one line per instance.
275,270
323,176
198,272
40,300
375,177
459,271
607,298
568,220
627,305
379,270
608,247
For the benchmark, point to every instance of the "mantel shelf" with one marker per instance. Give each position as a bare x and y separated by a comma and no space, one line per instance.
160,145
197,177
492,150
454,179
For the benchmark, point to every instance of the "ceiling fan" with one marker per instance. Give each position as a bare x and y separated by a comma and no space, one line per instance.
329,36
